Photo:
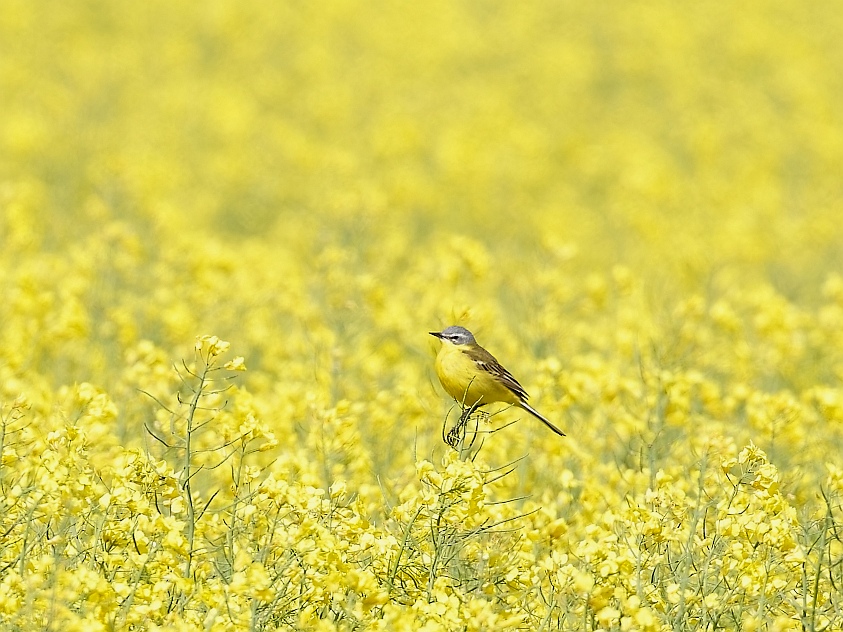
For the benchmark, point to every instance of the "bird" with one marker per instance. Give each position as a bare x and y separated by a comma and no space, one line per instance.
473,377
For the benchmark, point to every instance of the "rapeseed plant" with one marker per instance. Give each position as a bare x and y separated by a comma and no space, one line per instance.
638,203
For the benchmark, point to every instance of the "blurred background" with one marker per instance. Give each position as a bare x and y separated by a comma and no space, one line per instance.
625,129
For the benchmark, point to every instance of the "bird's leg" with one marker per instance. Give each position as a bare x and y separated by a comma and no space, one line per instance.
455,437
457,434
467,412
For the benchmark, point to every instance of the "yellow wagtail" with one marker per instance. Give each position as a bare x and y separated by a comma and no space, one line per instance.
473,377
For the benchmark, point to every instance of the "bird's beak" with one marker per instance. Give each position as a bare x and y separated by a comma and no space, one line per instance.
436,334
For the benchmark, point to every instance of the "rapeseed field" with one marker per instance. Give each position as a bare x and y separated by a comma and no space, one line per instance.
226,229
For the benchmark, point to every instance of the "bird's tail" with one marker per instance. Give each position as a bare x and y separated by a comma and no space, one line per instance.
541,418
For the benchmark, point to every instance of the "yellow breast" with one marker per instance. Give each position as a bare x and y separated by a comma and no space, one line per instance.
465,381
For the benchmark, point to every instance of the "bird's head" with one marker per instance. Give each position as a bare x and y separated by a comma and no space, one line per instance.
455,335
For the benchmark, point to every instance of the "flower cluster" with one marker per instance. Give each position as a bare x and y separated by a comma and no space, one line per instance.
634,206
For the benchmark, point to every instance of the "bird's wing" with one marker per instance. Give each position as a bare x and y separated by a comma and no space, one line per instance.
487,362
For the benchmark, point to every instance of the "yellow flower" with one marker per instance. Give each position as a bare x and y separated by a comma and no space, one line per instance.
211,345
237,364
